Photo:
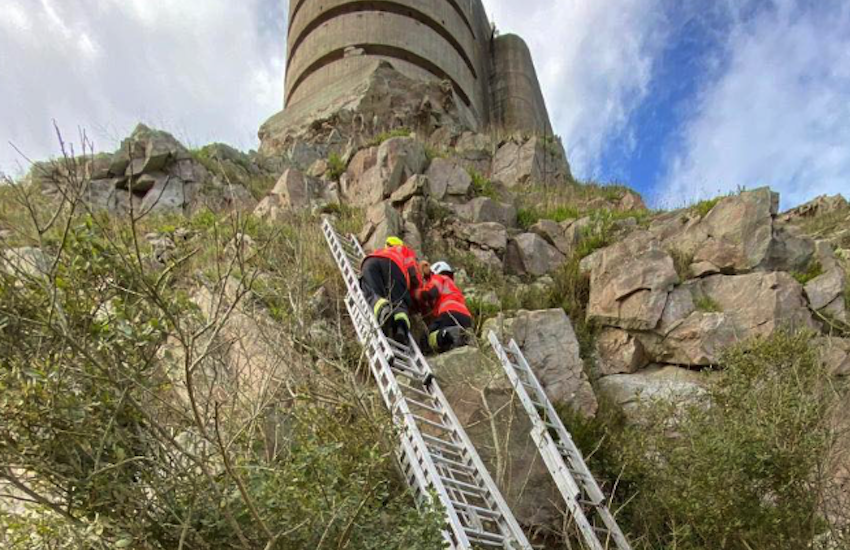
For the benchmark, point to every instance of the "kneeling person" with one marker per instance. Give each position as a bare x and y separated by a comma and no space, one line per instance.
449,319
389,278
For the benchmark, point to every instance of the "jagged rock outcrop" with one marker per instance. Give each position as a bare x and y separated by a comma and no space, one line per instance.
383,100
153,173
532,160
630,282
706,316
530,254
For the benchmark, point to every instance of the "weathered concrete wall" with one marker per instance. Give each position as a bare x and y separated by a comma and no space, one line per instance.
332,46
434,37
517,100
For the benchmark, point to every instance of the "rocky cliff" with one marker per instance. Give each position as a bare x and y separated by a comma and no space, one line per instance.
616,306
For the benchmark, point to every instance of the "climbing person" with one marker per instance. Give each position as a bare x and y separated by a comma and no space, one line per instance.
448,317
390,278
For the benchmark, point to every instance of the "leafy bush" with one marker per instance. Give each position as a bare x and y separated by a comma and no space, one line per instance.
747,471
124,418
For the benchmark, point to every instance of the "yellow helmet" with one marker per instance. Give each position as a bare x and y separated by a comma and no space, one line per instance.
394,241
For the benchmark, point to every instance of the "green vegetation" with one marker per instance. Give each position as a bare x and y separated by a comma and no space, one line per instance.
707,304
812,271
234,171
483,186
528,216
336,167
125,415
747,472
703,207
384,136
682,263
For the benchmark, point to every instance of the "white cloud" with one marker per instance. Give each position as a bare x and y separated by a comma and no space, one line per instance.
778,112
205,69
595,63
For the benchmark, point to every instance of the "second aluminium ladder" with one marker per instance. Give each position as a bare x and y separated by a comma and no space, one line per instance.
584,499
435,454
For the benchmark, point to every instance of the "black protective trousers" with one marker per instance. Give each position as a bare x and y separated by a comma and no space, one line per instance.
382,278
446,332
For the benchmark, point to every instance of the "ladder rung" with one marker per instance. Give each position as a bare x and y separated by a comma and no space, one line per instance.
437,425
423,406
484,536
414,390
462,484
447,444
451,462
477,510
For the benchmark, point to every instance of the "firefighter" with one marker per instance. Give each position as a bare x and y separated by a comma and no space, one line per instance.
449,319
390,278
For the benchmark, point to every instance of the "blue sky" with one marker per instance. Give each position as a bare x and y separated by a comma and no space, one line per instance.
681,99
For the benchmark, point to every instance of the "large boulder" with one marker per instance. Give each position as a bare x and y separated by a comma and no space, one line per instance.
629,282
619,352
293,191
487,235
530,254
536,160
835,353
382,221
484,209
447,178
826,292
549,343
374,175
706,316
146,151
168,195
739,231
656,384
558,235
486,405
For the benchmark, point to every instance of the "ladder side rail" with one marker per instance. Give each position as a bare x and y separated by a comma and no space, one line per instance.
548,450
498,502
376,346
412,442
352,283
542,438
588,482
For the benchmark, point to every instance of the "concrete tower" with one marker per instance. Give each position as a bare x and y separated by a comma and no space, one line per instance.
331,42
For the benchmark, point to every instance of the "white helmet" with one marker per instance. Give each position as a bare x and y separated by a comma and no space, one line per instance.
442,267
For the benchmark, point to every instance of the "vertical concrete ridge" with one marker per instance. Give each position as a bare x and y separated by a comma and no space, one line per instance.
517,100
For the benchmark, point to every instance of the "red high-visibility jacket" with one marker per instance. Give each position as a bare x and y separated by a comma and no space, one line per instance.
444,296
405,259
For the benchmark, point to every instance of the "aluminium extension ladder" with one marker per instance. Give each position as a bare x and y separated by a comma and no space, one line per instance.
581,493
435,454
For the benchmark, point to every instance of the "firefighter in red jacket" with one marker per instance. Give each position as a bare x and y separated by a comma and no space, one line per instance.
449,320
391,279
